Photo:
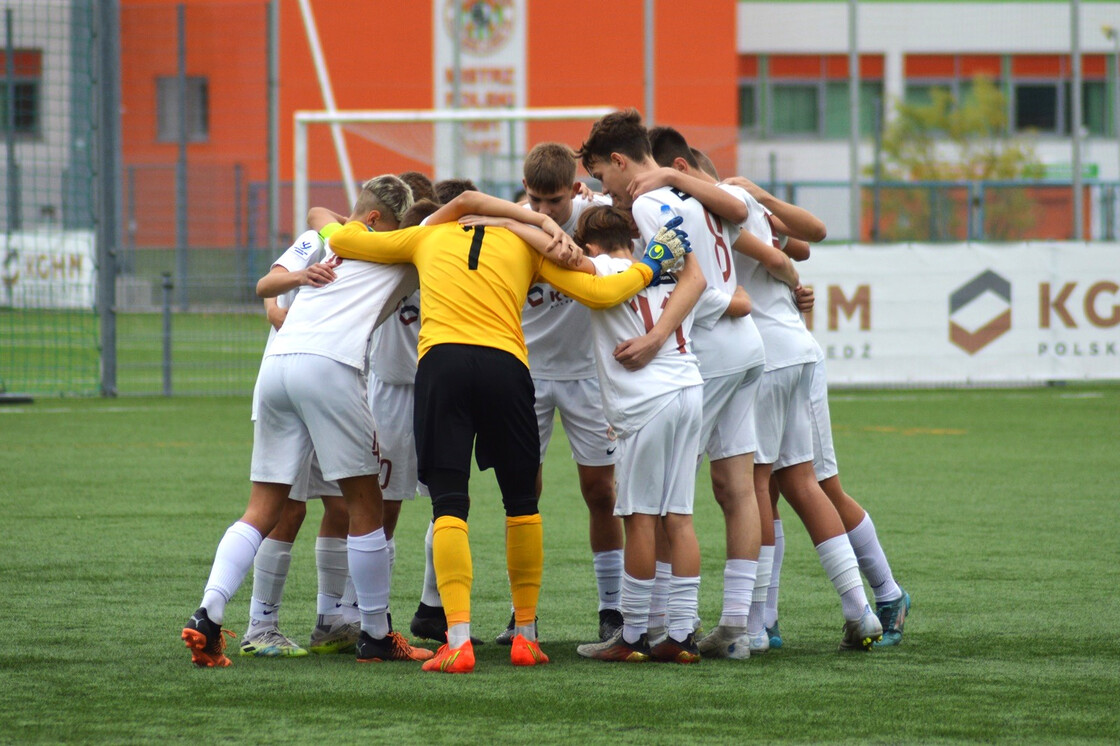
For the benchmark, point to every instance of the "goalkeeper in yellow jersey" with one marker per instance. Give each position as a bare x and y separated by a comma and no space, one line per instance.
473,386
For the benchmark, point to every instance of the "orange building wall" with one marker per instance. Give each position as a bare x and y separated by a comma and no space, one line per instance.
596,57
379,56
226,43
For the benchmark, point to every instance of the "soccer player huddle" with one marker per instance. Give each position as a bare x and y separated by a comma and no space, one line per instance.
661,319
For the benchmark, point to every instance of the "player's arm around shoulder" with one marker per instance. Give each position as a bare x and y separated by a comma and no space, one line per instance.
795,221
594,291
296,268
356,241
280,280
776,262
634,354
566,255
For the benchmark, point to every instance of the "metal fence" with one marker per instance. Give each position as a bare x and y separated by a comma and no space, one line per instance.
56,208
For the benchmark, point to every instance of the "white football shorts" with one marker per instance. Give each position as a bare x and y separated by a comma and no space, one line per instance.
785,433
824,452
581,413
392,405
310,401
310,484
729,415
656,469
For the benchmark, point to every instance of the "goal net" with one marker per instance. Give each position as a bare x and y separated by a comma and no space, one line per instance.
343,148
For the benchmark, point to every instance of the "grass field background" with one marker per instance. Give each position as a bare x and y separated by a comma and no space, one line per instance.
998,510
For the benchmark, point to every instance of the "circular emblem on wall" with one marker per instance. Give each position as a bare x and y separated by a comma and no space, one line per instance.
487,24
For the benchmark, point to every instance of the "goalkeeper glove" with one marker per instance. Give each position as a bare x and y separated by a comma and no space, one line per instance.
665,251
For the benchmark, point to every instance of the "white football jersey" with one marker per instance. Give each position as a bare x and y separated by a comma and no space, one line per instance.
393,357
788,342
557,329
305,251
732,344
338,319
631,398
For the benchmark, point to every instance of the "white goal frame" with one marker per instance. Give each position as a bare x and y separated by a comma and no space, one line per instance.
428,116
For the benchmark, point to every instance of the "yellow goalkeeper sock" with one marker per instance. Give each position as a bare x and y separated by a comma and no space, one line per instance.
451,558
525,564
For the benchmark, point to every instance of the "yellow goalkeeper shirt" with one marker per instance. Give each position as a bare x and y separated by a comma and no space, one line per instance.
473,282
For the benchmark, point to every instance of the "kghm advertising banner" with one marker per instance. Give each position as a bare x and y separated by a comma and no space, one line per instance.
977,313
48,269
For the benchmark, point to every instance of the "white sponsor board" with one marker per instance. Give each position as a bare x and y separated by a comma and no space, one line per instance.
48,269
967,313
492,75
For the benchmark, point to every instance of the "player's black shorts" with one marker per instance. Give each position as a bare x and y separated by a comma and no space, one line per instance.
464,391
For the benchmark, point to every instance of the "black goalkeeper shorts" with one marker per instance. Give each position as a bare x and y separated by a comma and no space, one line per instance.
464,392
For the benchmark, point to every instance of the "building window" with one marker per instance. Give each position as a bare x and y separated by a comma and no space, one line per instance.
1044,93
1038,87
1094,107
807,95
167,109
20,99
748,107
1036,107
837,122
953,73
749,99
796,109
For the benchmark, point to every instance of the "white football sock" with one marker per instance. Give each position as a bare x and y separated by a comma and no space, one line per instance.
771,613
684,593
635,606
756,621
349,608
232,561
429,595
839,563
333,568
392,544
270,572
659,599
369,569
873,561
608,577
739,576
457,634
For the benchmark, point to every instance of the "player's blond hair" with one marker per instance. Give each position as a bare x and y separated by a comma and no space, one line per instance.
550,167
386,193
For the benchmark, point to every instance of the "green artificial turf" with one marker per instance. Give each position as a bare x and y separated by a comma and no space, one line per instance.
997,509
